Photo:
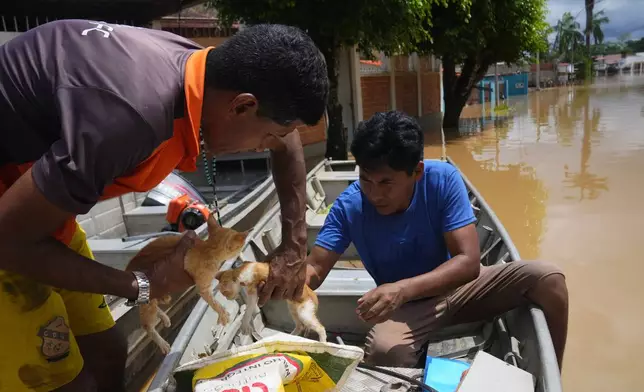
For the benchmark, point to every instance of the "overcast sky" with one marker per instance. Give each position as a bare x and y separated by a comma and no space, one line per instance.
626,16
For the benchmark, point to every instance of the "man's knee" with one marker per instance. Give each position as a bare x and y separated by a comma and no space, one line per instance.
554,287
550,287
385,351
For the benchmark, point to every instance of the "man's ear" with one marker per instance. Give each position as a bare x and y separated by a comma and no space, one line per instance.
244,104
418,171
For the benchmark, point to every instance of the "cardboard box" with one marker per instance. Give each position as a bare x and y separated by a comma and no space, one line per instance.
490,374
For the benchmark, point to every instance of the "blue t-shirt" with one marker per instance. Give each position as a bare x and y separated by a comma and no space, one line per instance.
404,245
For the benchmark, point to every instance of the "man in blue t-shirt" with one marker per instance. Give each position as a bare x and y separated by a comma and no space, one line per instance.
412,224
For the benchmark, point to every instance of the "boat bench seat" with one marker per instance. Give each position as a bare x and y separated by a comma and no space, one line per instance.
337,176
315,220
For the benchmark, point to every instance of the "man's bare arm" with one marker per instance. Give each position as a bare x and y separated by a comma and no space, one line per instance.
289,175
27,220
463,267
287,275
318,265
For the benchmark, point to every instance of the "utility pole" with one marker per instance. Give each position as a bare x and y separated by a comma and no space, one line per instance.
572,60
496,84
538,73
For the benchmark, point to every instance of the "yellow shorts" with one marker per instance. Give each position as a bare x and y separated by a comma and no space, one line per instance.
38,325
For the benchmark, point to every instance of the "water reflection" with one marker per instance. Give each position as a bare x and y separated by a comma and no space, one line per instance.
589,184
506,187
561,161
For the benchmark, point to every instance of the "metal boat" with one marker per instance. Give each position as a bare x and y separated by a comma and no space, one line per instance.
519,337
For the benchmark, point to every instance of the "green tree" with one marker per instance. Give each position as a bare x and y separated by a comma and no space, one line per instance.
636,46
624,39
490,31
568,39
389,25
599,19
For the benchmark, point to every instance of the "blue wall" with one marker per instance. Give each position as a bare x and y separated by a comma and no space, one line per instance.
517,83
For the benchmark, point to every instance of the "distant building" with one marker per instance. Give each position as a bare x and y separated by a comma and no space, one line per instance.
199,23
547,75
632,63
601,63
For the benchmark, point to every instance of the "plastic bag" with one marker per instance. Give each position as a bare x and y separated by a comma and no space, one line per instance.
282,363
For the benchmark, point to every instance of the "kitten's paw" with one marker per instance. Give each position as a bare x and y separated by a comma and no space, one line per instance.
166,322
165,319
247,328
223,318
165,347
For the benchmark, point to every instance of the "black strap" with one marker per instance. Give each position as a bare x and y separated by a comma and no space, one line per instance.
211,174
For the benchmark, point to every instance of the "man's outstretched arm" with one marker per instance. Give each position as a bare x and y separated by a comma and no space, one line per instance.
289,174
460,236
318,265
27,220
287,274
378,304
462,268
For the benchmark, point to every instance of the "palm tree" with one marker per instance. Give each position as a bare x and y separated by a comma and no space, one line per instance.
599,18
568,37
590,5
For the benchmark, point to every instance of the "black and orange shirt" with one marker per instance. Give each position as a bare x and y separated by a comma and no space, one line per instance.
98,110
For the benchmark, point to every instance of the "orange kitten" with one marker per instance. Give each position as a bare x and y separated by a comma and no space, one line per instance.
202,263
249,275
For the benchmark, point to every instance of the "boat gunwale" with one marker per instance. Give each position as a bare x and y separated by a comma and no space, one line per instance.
550,375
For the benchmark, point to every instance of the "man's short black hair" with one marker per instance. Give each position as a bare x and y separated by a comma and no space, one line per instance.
280,65
391,139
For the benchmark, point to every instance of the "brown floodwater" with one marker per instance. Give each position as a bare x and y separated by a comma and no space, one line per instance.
564,171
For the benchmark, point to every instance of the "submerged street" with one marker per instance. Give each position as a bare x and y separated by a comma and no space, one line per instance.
564,173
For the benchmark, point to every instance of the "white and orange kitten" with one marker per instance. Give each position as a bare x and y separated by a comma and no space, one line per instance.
249,275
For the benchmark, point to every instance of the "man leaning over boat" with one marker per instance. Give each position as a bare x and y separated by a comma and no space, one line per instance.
413,226
90,111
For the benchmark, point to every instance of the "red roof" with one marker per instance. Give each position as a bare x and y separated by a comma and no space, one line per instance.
542,67
377,63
